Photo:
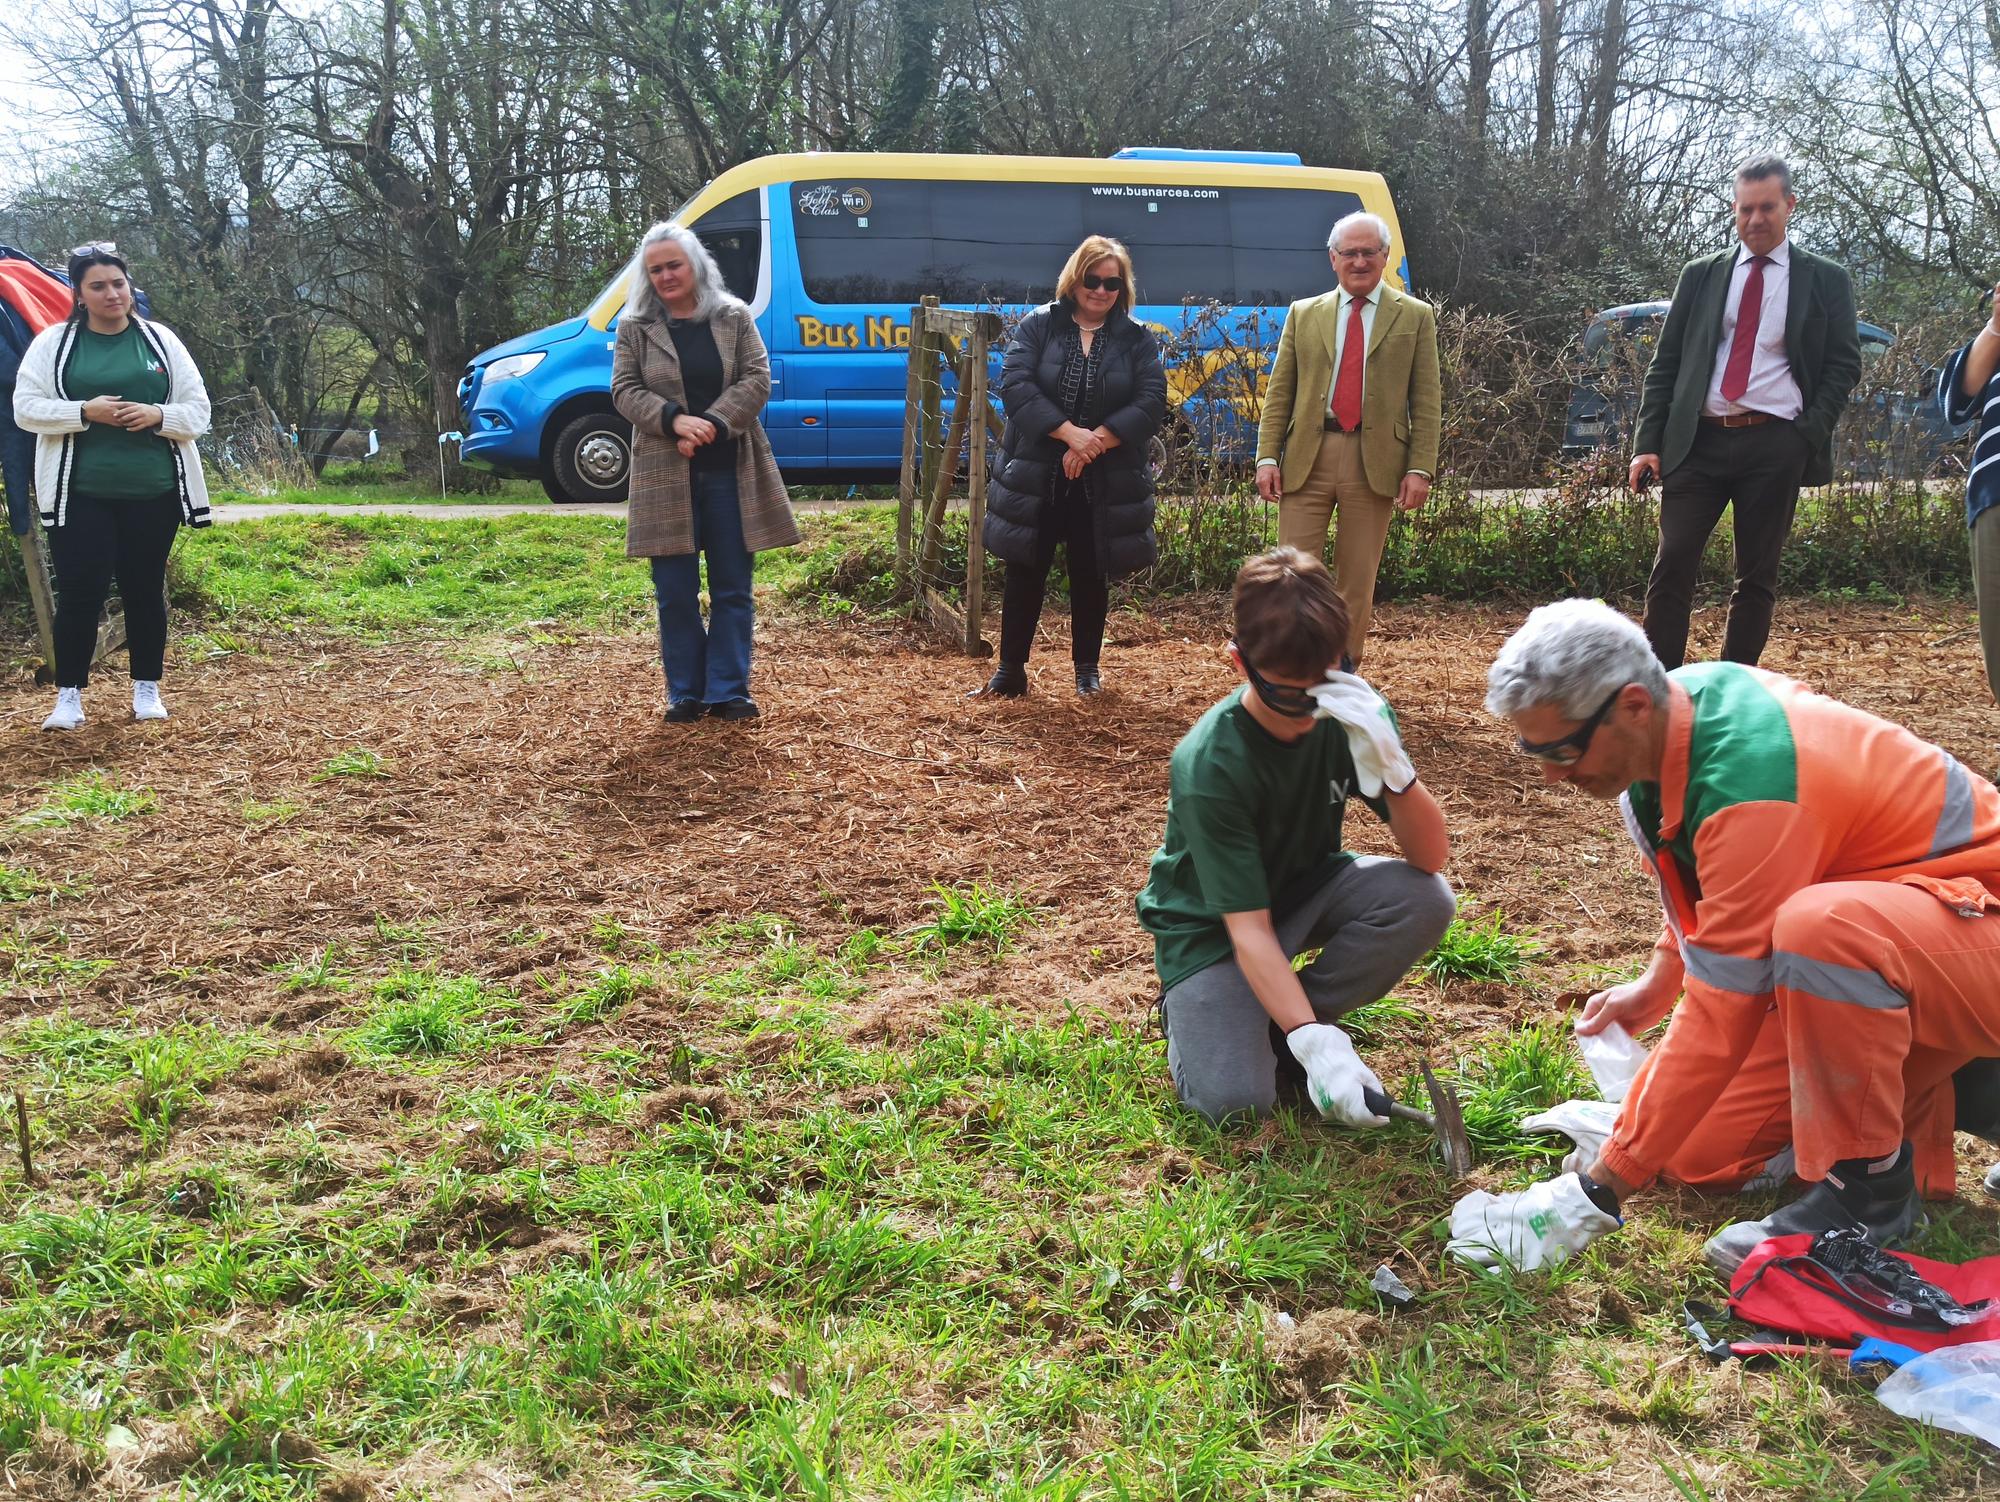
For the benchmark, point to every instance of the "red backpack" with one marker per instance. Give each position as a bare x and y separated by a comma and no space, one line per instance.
1837,1286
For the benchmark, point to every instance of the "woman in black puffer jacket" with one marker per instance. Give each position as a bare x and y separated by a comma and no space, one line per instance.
1084,393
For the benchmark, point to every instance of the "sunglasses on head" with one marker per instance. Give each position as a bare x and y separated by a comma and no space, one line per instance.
1281,699
95,248
1103,283
1572,748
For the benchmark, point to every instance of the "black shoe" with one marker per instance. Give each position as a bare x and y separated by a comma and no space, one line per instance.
1883,1205
1976,1099
1009,681
735,709
685,711
1088,680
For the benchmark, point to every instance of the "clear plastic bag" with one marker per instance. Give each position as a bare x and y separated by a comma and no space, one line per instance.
1613,1058
1956,1388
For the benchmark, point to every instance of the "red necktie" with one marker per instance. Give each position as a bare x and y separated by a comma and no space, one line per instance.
1347,384
1736,374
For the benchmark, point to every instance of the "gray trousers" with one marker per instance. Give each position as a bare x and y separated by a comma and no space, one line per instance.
1986,588
1372,921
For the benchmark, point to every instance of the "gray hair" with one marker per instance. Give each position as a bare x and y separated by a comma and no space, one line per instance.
1573,654
1765,164
1360,217
711,295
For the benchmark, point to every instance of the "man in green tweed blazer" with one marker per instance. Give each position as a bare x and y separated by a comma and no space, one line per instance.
1358,435
1755,363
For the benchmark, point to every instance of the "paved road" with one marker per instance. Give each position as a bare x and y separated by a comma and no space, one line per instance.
251,511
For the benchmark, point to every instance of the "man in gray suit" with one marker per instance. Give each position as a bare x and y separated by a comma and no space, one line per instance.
1753,368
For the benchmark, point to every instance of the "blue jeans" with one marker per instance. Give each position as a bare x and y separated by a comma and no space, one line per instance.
712,665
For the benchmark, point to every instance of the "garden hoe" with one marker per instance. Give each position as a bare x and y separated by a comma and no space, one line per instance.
1444,1119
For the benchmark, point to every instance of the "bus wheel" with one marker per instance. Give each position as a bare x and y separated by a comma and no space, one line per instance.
592,460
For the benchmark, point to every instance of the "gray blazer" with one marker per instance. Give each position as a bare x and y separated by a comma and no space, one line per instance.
646,388
1822,346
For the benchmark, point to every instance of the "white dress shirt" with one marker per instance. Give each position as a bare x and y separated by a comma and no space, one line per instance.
1771,388
1345,311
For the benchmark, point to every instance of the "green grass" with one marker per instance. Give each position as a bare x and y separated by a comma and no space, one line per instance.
418,1013
359,762
1516,1074
1480,950
973,914
90,797
19,884
273,811
992,1259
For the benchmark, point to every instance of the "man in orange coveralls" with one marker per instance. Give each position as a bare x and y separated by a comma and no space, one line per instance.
1831,885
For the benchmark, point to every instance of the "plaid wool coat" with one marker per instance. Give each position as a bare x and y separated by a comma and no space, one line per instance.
646,388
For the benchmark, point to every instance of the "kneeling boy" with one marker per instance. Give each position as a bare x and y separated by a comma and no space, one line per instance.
1251,872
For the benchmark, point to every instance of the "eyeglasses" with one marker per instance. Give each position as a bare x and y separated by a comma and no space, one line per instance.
1573,747
1104,283
1292,703
1369,254
95,248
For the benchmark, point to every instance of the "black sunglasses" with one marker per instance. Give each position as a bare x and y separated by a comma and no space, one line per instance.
1104,283
1573,747
1291,703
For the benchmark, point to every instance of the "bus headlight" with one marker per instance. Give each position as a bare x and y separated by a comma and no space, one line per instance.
507,368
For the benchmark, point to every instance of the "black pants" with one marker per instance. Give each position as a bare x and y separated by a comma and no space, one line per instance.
101,540
1066,519
1757,468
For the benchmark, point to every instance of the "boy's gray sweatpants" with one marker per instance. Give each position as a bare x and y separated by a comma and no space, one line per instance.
1372,921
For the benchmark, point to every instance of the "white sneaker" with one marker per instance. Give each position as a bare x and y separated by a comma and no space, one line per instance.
68,713
146,703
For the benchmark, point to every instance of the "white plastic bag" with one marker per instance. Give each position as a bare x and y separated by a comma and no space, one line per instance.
1957,1388
1613,1058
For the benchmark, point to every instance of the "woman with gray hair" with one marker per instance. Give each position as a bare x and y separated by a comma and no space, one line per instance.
691,373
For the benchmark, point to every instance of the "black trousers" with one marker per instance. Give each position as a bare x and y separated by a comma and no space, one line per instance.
101,540
1066,519
1758,469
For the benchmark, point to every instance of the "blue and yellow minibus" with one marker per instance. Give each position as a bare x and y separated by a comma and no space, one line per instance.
831,250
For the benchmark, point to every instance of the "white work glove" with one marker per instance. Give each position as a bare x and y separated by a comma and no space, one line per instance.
1536,1228
1587,1123
1335,1075
1379,758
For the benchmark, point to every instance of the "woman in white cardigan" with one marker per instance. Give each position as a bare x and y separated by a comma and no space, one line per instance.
115,404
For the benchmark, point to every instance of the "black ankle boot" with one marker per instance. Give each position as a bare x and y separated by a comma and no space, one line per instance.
1883,1204
1009,681
1088,680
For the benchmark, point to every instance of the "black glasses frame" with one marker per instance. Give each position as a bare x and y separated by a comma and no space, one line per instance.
1291,703
1103,283
1573,747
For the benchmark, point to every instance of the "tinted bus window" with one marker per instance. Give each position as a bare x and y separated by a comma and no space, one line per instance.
734,235
1277,240
892,241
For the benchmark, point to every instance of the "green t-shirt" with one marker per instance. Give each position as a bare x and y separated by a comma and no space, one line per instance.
1251,823
116,463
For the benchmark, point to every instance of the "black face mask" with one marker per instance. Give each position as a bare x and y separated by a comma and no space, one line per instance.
1291,703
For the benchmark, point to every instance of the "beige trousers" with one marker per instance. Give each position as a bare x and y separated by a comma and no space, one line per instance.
1339,483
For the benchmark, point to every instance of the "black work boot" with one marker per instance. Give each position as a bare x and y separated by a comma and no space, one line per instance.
1882,1204
1009,681
1088,679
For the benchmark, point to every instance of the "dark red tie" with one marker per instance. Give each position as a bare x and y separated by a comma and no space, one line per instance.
1736,374
1347,384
